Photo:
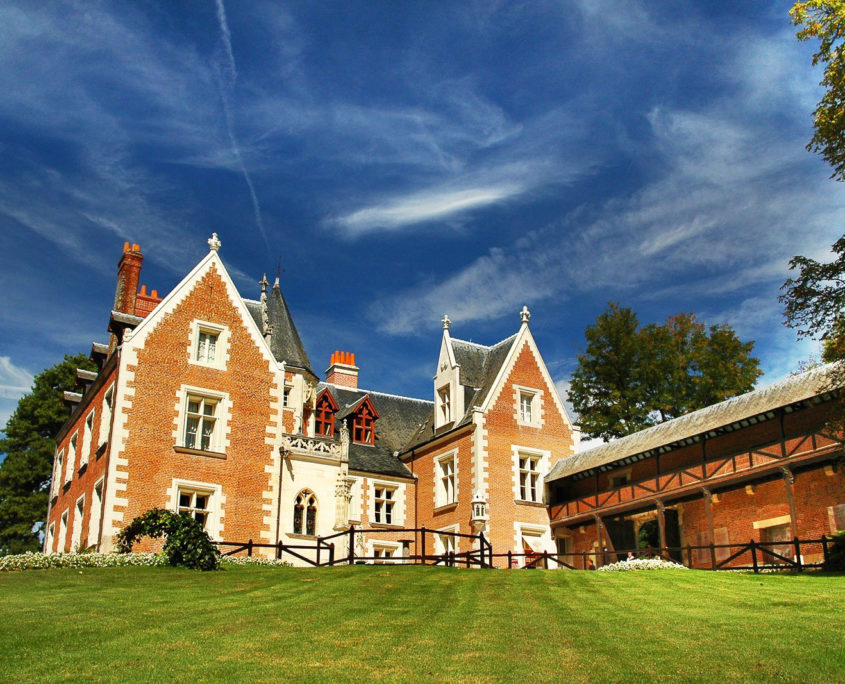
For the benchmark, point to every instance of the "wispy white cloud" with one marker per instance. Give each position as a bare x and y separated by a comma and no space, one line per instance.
14,383
421,207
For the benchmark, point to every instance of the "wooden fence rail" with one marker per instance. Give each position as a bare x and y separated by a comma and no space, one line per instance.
762,555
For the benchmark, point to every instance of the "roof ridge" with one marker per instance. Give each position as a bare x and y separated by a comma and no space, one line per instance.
384,394
486,346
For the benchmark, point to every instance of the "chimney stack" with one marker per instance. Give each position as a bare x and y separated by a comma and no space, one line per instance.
342,370
128,276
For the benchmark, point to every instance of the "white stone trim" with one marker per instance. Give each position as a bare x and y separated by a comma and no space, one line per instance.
772,522
223,420
221,350
479,453
395,546
105,417
356,489
63,531
398,514
439,547
452,454
216,503
542,468
544,533
87,437
538,418
524,337
76,528
94,520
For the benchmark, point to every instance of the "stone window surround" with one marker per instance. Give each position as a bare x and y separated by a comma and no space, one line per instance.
543,456
440,495
214,522
222,423
537,416
221,350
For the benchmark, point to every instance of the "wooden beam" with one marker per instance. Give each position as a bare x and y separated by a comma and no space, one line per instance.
661,524
708,512
789,480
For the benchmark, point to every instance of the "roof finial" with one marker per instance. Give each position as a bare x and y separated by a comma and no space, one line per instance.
446,322
213,242
264,284
525,314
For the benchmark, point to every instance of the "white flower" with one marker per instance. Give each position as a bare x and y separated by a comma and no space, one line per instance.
642,564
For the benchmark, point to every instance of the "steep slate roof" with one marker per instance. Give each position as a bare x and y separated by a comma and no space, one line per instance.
480,365
285,343
692,426
399,418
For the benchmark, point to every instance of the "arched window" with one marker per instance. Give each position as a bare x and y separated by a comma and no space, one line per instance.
324,416
305,513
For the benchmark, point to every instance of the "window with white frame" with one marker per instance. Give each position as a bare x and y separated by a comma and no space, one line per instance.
62,533
208,344
286,395
529,477
354,500
445,540
384,499
51,538
105,416
444,403
57,475
71,459
86,439
195,503
526,403
201,418
305,513
445,480
78,512
382,553
94,514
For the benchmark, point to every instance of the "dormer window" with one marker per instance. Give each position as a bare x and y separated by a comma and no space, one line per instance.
444,405
324,415
526,400
362,426
207,346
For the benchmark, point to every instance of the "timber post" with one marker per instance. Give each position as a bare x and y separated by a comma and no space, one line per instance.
753,546
351,558
510,559
661,525
319,544
331,553
708,511
798,563
249,548
279,550
422,544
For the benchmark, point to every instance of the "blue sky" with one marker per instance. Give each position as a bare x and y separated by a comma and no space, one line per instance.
404,160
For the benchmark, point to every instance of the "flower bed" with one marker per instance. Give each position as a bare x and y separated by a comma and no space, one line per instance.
642,564
40,561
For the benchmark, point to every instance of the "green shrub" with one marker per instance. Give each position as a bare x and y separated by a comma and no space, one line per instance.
836,553
186,542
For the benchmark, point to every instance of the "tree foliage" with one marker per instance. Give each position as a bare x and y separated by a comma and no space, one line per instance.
186,542
631,377
29,446
825,20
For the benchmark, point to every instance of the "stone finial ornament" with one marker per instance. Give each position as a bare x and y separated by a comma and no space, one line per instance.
213,242
525,314
446,322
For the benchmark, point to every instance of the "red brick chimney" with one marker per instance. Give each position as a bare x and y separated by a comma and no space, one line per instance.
342,370
128,275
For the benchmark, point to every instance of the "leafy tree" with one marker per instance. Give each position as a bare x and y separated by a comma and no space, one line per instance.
29,446
631,377
814,305
607,387
825,20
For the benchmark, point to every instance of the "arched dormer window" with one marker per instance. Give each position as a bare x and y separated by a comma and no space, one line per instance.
305,513
324,415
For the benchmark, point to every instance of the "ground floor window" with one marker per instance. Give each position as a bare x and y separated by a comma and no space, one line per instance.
195,503
305,514
383,553
777,539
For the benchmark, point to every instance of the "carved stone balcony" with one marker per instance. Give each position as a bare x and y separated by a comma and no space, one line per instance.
310,447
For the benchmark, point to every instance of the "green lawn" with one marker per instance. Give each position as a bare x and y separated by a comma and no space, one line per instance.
354,623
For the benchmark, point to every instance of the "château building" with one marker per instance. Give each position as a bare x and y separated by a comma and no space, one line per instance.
206,402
